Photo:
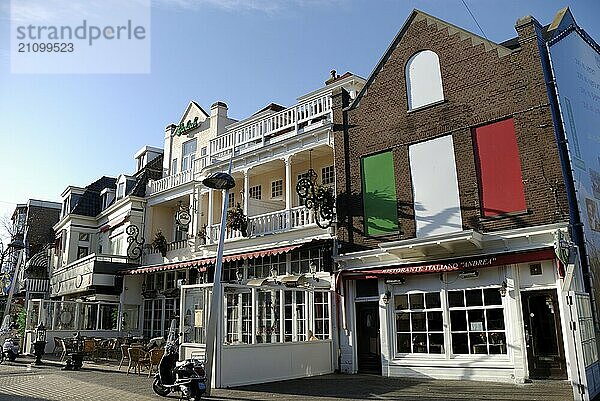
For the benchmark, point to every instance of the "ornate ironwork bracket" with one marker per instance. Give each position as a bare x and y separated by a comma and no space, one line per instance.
317,197
135,247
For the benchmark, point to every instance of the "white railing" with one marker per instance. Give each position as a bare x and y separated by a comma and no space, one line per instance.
170,181
269,223
247,136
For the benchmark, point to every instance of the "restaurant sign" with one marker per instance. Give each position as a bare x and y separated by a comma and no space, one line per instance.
463,264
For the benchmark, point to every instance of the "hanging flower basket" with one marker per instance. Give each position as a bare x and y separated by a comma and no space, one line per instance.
160,243
237,220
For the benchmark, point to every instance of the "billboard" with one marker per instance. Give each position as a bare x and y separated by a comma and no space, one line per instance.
575,62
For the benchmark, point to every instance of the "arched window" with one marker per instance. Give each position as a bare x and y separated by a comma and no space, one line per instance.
423,79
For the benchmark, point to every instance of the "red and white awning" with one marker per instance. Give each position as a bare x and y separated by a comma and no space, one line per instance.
201,264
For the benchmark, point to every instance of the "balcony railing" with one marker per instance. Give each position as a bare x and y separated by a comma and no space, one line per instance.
277,126
171,246
269,223
170,181
82,273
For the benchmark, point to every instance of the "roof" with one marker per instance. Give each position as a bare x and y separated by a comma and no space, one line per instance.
270,107
416,16
90,203
151,171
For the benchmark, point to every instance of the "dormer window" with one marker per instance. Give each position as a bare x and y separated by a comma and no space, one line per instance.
70,200
121,190
423,80
108,196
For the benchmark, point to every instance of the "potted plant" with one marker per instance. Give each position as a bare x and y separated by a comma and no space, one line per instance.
237,220
202,234
160,243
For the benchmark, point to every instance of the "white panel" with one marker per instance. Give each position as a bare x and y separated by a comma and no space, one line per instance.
261,363
435,187
423,79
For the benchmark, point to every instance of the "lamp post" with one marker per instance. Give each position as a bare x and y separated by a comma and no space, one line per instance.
221,181
40,343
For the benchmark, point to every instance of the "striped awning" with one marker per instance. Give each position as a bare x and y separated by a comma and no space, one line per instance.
201,264
114,224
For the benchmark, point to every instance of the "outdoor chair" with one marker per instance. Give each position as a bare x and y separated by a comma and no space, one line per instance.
89,349
56,345
124,355
66,348
137,358
113,346
155,356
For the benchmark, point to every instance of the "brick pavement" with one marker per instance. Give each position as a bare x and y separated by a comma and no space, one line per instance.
22,382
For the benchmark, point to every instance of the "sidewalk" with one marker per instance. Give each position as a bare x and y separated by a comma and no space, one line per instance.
331,387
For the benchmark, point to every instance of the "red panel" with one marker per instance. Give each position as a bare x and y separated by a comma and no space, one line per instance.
500,181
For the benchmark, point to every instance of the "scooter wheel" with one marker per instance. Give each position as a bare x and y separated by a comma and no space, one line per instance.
1,357
159,388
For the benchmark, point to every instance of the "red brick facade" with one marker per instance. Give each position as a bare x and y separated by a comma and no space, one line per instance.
482,84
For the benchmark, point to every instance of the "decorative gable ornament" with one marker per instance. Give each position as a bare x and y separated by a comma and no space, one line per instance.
185,127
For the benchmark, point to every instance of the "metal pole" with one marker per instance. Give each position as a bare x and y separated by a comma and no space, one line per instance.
216,301
15,280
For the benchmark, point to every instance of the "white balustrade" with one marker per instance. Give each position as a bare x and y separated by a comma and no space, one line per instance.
170,181
247,136
268,223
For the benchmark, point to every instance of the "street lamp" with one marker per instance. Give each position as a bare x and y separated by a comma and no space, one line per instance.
221,181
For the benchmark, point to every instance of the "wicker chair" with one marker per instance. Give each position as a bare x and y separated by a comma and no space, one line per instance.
89,349
137,358
155,356
65,348
124,355
56,345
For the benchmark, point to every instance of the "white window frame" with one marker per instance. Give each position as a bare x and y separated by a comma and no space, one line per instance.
187,159
277,189
423,76
255,192
328,175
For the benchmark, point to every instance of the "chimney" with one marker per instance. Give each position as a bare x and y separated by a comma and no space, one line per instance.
218,109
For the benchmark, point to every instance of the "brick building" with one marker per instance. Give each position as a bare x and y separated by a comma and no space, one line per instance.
453,188
32,223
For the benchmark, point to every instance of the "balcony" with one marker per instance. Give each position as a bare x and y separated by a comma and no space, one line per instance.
170,181
95,270
248,135
268,223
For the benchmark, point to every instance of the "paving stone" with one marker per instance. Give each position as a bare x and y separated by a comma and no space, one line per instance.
23,381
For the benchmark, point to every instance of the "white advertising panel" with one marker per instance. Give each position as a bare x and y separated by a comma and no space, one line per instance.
435,187
576,66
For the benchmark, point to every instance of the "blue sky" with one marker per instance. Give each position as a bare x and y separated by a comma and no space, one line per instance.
60,130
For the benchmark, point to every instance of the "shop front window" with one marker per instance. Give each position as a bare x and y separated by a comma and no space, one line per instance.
321,303
294,316
268,317
477,321
419,323
195,319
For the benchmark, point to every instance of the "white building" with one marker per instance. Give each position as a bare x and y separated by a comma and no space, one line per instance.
277,276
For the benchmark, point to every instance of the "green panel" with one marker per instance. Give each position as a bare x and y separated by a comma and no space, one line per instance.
379,194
